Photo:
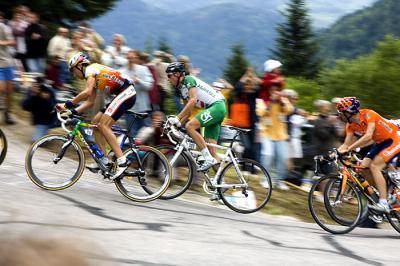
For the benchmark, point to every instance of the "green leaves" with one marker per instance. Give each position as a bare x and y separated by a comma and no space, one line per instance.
373,78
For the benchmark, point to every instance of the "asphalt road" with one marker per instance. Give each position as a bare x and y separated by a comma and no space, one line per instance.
111,230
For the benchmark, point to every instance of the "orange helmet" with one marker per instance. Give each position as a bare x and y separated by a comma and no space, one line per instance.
348,104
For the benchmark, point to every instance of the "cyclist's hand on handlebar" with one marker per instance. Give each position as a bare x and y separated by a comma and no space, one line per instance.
66,114
174,121
60,107
343,150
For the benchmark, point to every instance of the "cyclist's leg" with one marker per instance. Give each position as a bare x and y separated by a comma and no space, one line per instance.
98,136
380,162
211,120
211,135
124,101
192,126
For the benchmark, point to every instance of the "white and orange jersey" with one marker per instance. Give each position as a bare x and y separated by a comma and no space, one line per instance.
107,79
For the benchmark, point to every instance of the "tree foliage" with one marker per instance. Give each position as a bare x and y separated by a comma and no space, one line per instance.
236,64
373,78
308,90
164,46
296,46
358,33
62,12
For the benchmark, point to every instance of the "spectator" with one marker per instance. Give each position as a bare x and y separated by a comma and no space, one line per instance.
324,135
295,121
36,43
54,72
272,77
162,80
18,26
40,101
185,60
274,134
60,44
115,56
154,94
244,95
143,82
150,134
90,37
6,68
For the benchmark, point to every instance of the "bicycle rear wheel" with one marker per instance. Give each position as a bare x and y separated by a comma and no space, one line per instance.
182,172
3,146
148,175
335,211
394,219
244,198
46,171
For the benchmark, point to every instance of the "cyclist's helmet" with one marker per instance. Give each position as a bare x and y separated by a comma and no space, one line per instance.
78,58
175,67
348,104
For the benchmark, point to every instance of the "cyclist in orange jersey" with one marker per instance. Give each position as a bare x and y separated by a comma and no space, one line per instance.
99,77
365,126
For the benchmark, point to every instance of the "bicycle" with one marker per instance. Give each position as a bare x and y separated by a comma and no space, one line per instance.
343,203
3,146
54,149
235,179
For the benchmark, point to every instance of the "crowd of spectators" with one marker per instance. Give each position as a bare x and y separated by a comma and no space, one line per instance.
262,104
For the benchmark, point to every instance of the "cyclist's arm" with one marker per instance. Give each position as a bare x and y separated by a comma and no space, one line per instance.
88,93
350,139
191,103
366,138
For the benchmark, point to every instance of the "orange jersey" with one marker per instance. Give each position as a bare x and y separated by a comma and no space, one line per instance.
383,129
107,79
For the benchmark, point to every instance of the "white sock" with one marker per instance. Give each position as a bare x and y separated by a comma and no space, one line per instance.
105,160
121,160
207,155
383,202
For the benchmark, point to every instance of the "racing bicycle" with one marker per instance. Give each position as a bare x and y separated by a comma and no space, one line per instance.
57,161
340,200
236,181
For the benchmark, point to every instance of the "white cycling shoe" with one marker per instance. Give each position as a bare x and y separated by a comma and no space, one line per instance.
207,165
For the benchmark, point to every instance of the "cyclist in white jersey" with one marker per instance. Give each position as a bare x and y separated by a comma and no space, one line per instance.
198,94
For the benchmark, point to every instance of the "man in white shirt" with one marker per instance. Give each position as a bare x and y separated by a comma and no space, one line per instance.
143,81
60,44
115,56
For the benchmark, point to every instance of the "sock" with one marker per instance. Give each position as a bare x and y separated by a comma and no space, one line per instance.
207,155
105,160
383,202
121,160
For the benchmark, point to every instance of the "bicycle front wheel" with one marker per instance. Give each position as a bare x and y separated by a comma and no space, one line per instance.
54,162
3,146
182,172
248,196
148,175
334,210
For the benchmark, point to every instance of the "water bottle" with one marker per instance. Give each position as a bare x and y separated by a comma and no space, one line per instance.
99,154
367,188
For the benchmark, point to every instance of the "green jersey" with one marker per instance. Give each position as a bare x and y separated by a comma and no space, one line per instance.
205,94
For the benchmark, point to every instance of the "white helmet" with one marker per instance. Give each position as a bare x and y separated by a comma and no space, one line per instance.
78,58
270,65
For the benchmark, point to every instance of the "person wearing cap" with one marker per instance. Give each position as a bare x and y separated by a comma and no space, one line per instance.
272,77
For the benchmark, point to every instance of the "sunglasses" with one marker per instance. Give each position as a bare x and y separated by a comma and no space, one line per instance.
169,75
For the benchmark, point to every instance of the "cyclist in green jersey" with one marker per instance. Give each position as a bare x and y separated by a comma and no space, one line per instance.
201,95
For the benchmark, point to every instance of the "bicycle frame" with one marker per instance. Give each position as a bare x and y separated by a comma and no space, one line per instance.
185,145
346,173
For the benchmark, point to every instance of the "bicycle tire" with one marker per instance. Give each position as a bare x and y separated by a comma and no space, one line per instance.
338,226
39,179
235,201
179,184
394,219
3,146
138,188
